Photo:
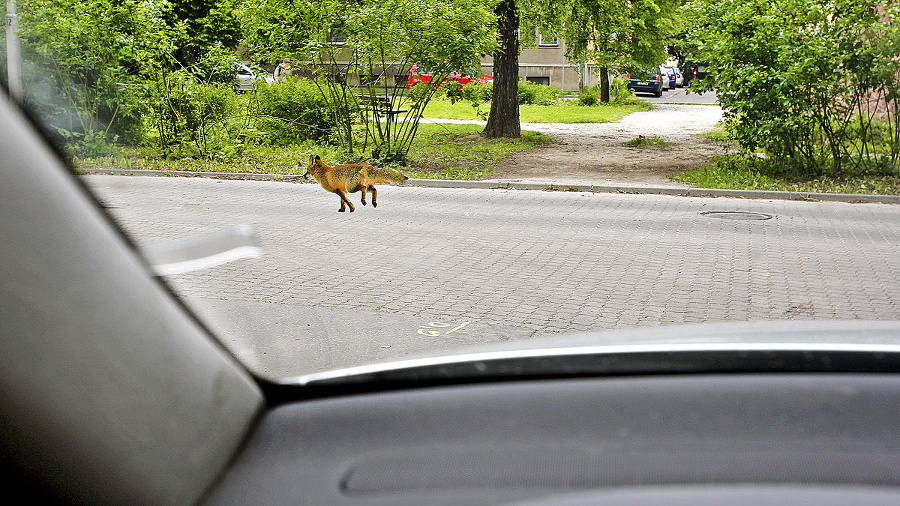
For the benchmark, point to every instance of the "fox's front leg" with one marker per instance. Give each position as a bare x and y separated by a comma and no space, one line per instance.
362,189
344,201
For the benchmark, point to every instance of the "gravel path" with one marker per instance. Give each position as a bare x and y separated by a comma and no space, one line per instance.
598,153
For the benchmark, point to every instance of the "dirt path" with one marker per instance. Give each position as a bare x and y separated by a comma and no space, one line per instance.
598,153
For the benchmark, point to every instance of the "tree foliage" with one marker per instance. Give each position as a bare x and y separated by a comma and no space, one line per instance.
336,42
619,35
84,58
202,25
813,83
95,68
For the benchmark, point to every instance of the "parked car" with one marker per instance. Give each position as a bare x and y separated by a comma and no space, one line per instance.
647,81
694,70
679,78
460,80
670,73
700,70
245,77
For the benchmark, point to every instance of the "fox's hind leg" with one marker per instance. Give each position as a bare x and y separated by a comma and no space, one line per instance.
374,195
344,201
362,190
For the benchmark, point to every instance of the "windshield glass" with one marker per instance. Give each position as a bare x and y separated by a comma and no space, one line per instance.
320,205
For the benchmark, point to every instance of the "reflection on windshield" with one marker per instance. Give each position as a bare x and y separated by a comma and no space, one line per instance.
575,227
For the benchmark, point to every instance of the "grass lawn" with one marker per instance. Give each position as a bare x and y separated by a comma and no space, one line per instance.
571,112
734,172
440,151
740,172
444,151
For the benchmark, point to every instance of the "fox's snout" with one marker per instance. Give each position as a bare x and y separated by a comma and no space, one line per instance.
304,171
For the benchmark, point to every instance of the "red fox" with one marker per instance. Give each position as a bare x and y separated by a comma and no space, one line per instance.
349,178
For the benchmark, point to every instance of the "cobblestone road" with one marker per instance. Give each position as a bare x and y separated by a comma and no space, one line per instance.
433,269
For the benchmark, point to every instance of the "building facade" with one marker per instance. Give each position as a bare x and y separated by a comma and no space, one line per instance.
545,63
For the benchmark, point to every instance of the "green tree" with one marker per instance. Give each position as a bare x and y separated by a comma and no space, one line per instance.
615,34
335,42
813,83
503,120
201,25
84,58
619,35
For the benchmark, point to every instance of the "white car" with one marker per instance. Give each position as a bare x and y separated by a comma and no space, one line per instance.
245,77
679,78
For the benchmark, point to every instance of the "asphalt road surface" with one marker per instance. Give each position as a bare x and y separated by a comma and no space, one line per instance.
681,96
436,269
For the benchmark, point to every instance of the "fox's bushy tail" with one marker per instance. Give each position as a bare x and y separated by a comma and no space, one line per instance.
379,175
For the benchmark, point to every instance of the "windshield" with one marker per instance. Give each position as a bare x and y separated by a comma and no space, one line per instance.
318,209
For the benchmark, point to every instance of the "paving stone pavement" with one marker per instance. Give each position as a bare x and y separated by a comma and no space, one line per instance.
495,265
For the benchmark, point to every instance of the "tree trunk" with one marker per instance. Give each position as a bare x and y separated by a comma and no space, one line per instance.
504,117
604,85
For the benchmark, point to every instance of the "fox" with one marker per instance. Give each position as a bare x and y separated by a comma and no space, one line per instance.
350,178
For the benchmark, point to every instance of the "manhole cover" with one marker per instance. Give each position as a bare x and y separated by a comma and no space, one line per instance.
736,215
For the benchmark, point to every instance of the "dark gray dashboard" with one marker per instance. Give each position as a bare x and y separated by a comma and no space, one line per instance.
723,439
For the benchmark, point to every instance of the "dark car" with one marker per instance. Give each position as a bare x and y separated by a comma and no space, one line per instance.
648,81
694,70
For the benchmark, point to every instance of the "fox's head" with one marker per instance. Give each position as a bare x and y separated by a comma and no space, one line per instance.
312,163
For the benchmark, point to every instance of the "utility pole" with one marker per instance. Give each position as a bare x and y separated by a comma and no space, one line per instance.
13,58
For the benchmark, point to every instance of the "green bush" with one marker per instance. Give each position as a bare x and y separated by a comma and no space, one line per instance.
418,91
529,93
478,92
588,98
537,94
619,92
292,111
217,65
185,111
807,82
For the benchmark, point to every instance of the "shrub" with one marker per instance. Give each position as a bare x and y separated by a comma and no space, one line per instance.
619,92
478,92
799,79
418,91
292,111
537,94
184,111
588,98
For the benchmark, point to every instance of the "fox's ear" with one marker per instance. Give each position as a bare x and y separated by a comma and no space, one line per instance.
317,158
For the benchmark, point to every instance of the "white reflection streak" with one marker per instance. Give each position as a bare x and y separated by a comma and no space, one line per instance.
202,252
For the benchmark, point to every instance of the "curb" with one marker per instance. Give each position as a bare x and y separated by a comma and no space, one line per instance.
521,185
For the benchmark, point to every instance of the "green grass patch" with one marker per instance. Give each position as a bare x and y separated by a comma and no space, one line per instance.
744,173
640,140
718,134
445,151
569,112
440,151
252,160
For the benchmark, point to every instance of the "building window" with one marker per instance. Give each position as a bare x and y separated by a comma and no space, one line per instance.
337,36
548,41
542,80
